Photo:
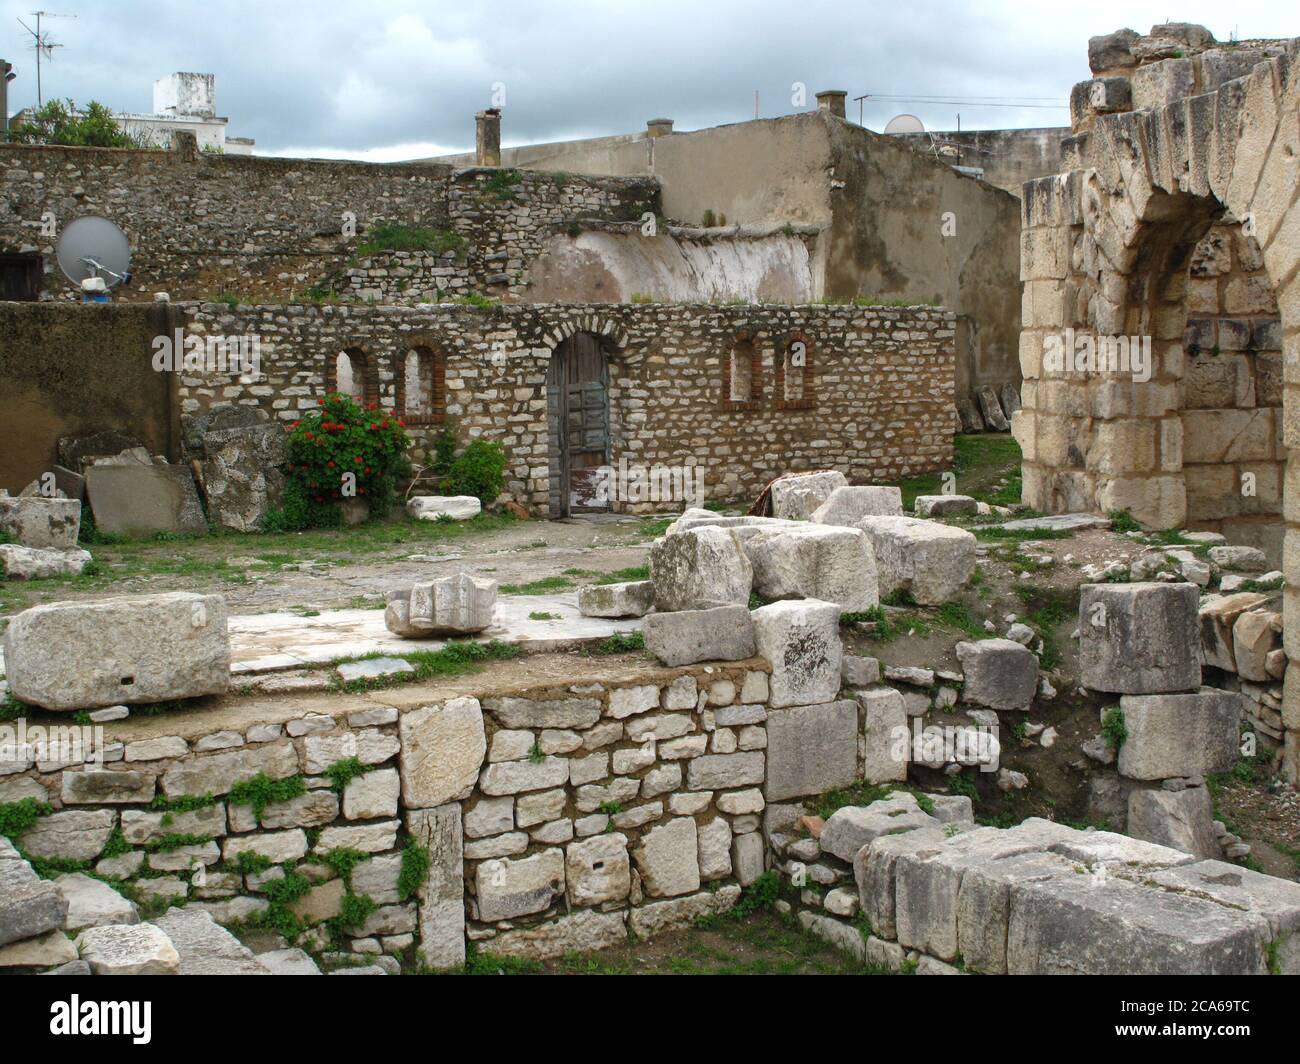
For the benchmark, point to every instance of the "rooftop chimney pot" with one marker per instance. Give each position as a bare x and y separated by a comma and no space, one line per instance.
487,139
832,100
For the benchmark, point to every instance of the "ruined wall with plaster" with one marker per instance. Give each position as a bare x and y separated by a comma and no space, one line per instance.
877,385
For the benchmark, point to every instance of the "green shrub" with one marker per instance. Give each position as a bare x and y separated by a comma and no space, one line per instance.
338,439
58,122
392,236
479,470
1114,728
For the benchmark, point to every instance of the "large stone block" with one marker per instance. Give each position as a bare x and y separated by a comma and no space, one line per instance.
984,905
433,507
930,560
802,642
699,569
452,605
29,905
128,949
137,648
667,857
848,505
205,947
597,870
1138,638
135,499
34,563
634,599
217,773
725,633
442,750
999,673
811,749
508,888
442,895
45,524
73,834
1218,617
1068,925
1183,820
875,869
242,458
797,496
1180,735
1255,635
884,724
823,562
851,828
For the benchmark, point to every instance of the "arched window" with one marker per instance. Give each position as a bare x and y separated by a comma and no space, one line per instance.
423,386
794,372
351,372
742,381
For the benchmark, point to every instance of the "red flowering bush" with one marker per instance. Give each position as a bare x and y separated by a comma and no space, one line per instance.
343,451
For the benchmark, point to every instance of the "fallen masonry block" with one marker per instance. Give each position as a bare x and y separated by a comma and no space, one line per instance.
1182,820
128,949
634,599
851,828
1218,618
35,521
801,640
92,903
1000,673
29,905
138,499
1180,735
128,650
1274,899
1255,635
1239,559
797,496
204,947
699,569
1138,638
850,504
991,409
432,507
1069,925
694,517
453,605
725,633
816,562
944,505
243,450
35,563
1057,523
930,560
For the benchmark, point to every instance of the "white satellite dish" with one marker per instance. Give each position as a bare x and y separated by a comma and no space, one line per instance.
905,124
94,254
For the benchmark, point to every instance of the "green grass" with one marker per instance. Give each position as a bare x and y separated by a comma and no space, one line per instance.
979,461
454,659
544,586
391,236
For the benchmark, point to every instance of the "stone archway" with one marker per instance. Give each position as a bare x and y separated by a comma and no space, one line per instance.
1106,250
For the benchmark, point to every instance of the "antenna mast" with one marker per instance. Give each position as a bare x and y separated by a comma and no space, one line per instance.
42,45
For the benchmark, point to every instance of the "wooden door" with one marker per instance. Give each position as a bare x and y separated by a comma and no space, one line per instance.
577,387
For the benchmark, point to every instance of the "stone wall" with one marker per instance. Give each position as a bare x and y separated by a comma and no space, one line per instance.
263,229
877,404
1008,157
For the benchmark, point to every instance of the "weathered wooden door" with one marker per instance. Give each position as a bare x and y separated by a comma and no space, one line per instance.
577,395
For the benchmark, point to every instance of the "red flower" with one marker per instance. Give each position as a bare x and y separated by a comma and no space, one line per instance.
330,463
357,459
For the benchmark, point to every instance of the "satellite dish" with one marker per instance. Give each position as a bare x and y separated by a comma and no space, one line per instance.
905,124
94,254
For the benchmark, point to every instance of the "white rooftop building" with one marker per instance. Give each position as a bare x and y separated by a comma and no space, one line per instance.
186,101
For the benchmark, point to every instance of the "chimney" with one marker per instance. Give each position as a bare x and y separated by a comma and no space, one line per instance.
487,138
832,100
658,127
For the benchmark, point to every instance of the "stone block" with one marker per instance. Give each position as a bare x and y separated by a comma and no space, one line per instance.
1182,820
851,828
72,834
848,505
434,507
241,470
748,857
699,569
885,735
932,561
667,857
41,523
1180,735
634,599
132,649
442,895
825,562
811,749
29,905
32,563
944,506
128,949
725,633
1217,619
999,673
597,870
1256,635
452,605
134,499
797,496
802,641
442,750
1138,638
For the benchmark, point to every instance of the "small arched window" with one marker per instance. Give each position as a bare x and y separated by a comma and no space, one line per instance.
351,373
794,385
742,381
424,386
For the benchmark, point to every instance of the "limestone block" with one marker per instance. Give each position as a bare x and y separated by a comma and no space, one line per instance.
748,857
442,751
32,563
29,905
634,599
725,633
991,409
433,507
132,649
797,496
453,605
1138,638
442,895
802,641
811,749
931,560
92,903
135,499
205,947
667,857
1183,820
944,505
825,562
128,949
1000,673
848,505
371,795
699,569
583,932
41,523
544,713
1180,735
73,834
1256,635
851,828
508,887
1217,618
715,848
240,471
884,726
597,870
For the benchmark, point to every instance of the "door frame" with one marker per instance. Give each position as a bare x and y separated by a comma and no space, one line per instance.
558,414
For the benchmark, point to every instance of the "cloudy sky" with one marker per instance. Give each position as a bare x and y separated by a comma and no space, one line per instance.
393,80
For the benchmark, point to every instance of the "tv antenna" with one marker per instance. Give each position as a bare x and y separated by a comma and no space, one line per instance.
42,45
95,255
